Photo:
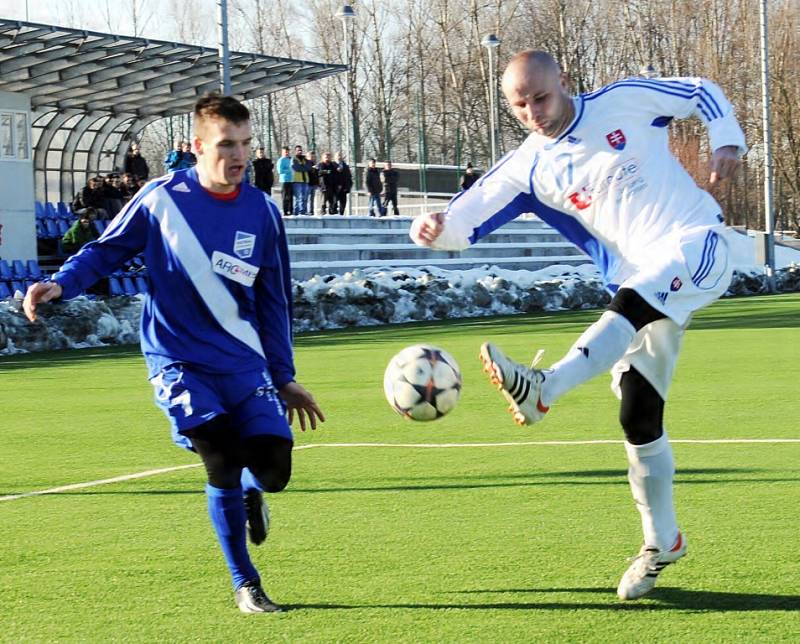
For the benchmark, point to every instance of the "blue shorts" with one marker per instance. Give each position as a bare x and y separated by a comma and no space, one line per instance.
190,398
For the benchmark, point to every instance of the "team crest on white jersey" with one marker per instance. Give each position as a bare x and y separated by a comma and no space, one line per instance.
616,139
243,244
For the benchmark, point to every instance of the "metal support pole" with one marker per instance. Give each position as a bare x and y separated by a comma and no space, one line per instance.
350,126
224,52
769,266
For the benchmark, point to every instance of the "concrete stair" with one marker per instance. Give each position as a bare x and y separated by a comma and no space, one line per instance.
323,245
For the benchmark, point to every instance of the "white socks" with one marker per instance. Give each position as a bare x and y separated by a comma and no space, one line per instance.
650,472
596,351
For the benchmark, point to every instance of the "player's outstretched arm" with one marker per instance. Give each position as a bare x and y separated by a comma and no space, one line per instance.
39,292
301,402
425,229
724,163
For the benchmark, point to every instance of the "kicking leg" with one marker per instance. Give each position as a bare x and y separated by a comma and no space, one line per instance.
530,392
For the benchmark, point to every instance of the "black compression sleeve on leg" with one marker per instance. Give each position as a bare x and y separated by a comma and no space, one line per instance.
634,308
641,412
213,442
269,458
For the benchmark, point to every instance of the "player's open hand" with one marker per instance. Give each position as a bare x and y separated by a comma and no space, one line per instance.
724,163
301,402
39,292
426,228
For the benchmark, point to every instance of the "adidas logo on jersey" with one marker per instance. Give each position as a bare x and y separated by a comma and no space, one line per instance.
181,187
661,296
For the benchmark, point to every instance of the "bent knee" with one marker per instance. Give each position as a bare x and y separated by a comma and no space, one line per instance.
273,481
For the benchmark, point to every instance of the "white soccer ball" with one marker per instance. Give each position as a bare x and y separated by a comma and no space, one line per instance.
422,382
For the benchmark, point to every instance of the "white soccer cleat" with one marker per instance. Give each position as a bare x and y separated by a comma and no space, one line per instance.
640,578
521,386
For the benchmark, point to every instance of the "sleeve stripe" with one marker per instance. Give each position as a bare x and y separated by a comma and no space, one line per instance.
701,93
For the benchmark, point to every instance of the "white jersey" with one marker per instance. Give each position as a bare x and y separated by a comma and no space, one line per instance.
609,182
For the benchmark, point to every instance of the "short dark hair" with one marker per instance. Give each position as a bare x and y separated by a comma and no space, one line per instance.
214,105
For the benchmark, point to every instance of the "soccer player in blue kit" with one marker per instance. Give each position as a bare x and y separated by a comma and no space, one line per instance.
216,329
597,167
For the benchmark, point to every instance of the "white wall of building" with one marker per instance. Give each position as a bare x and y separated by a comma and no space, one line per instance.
16,178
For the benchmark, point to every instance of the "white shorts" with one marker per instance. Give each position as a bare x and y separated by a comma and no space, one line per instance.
682,273
654,353
677,277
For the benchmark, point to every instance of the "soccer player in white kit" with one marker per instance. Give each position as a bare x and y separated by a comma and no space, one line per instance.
597,167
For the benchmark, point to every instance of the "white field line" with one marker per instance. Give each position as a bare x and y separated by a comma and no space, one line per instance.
166,470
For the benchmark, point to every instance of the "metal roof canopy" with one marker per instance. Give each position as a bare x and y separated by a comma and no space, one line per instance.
78,79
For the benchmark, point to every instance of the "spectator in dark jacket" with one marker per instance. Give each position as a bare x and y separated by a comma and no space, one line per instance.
135,163
328,175
91,196
469,177
344,182
313,181
262,167
390,178
372,180
114,198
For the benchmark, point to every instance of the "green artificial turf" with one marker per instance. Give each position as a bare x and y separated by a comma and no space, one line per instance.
383,543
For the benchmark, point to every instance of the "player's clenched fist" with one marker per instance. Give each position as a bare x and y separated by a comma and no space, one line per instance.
426,228
39,292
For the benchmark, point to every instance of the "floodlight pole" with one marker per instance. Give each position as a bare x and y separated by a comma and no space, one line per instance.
491,42
769,228
347,15
224,52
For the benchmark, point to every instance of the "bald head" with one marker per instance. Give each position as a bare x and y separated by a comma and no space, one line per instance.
537,91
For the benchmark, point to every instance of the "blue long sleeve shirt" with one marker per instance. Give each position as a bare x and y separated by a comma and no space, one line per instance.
218,275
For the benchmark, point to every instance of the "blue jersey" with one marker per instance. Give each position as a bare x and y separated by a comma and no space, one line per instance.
219,285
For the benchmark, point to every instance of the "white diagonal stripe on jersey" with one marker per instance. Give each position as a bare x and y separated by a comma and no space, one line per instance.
192,256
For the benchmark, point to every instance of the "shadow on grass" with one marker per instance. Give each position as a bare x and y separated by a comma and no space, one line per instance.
478,481
659,599
71,358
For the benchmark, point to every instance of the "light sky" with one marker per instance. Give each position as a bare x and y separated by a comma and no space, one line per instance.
94,15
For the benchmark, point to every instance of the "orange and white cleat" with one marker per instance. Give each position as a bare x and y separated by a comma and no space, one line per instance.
521,386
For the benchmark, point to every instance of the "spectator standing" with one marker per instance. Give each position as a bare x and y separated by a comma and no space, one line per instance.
344,183
135,163
313,181
300,181
372,180
262,167
286,177
80,233
469,177
390,178
328,175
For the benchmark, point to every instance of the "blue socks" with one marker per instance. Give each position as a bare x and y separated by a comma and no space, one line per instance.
249,481
228,516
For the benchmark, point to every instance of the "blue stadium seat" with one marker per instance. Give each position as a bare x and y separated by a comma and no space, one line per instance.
51,228
5,270
17,286
114,287
100,225
141,284
63,227
64,211
50,211
41,232
5,292
18,269
38,208
128,286
33,269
